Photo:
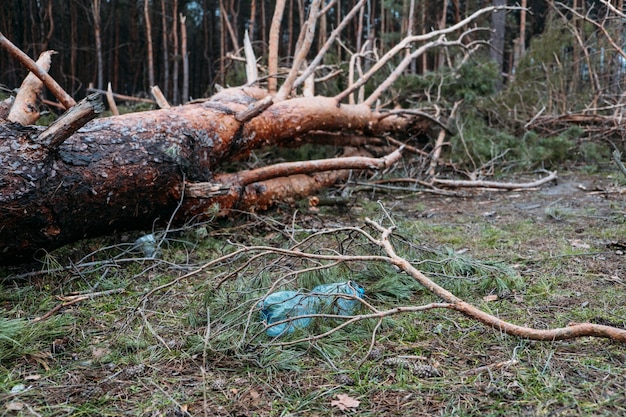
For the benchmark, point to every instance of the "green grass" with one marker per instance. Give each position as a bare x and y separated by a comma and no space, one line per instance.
199,343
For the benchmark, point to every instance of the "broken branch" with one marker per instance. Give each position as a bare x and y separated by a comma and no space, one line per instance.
32,66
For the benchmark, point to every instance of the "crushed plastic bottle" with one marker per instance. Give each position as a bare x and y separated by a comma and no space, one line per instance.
148,245
326,298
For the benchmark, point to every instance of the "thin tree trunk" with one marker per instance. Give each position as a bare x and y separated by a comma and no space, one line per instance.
263,28
252,22
272,59
410,27
166,58
290,29
175,63
96,29
441,57
73,43
496,48
116,53
146,13
185,55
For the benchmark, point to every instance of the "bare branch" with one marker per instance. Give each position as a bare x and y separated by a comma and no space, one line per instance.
492,184
302,51
335,33
72,120
32,66
406,42
572,331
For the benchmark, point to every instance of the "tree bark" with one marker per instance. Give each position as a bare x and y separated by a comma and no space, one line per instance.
146,13
133,171
185,57
98,41
496,44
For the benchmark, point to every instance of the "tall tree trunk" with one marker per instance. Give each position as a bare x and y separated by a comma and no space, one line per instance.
290,29
73,44
116,52
496,45
166,58
263,28
146,14
176,62
272,58
222,44
98,38
185,55
252,22
441,56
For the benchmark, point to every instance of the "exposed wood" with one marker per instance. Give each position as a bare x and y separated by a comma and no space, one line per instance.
40,73
25,109
111,101
252,74
159,97
71,121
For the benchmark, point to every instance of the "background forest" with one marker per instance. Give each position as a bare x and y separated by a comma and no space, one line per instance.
546,61
112,40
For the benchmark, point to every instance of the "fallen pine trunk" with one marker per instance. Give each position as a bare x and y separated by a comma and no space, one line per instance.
129,172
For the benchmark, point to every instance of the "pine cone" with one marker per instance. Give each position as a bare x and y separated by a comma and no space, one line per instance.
343,379
396,362
375,353
218,384
426,371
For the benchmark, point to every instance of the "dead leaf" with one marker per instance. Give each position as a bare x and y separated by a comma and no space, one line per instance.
490,297
254,398
99,352
33,377
577,243
344,402
14,406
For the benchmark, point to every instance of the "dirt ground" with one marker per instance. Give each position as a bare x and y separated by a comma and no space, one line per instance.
567,240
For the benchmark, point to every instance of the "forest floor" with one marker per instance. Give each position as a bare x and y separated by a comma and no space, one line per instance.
543,258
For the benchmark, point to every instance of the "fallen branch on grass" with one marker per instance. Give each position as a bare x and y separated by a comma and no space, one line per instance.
570,332
75,299
494,184
326,259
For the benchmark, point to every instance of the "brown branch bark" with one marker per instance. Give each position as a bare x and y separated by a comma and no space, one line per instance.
572,331
272,58
71,121
32,66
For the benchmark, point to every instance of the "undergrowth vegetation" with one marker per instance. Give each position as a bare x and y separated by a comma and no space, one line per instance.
183,332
